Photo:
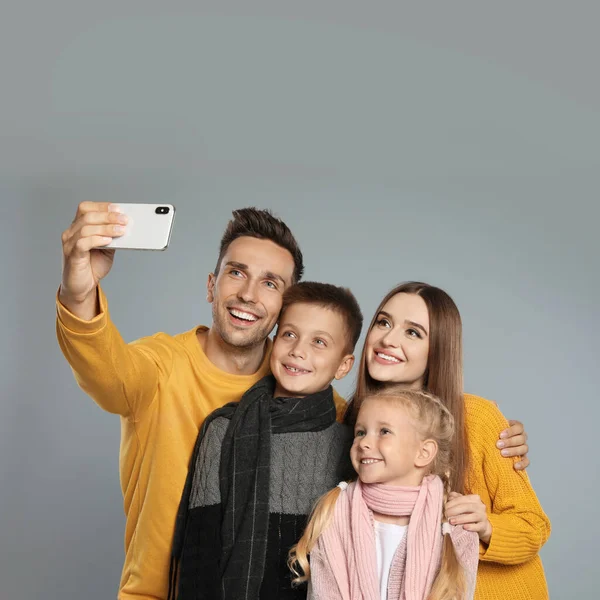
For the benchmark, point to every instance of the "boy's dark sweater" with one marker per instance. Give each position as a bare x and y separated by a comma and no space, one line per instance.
304,465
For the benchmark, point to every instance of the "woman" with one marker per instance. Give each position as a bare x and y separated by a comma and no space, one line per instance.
415,339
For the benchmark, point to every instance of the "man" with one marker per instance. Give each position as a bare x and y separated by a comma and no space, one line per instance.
163,387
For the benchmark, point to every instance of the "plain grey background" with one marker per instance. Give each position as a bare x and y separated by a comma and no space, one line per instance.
452,143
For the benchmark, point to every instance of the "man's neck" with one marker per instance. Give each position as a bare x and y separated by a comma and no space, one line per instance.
237,361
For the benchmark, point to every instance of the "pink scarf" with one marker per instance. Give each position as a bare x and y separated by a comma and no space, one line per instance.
349,540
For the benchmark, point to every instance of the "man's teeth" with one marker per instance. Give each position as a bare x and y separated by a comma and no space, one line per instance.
387,357
369,461
242,315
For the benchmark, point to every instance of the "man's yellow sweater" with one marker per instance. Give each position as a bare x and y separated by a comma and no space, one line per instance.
509,567
163,388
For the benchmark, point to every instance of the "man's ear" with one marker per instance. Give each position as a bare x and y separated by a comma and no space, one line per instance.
345,366
426,454
210,287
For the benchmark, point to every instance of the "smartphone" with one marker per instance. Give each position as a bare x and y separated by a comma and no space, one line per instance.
149,227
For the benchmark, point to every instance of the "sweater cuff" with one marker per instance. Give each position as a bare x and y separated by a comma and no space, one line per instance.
76,325
505,544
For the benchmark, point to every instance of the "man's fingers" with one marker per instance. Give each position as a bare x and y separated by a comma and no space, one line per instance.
88,206
100,235
85,244
102,230
97,218
93,224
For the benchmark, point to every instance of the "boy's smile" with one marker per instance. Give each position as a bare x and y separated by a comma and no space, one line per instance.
292,369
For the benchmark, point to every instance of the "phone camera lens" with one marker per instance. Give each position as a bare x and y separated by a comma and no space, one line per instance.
162,210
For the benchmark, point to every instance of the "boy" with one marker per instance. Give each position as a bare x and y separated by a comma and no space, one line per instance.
260,464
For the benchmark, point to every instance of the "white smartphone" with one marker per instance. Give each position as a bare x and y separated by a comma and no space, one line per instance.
149,227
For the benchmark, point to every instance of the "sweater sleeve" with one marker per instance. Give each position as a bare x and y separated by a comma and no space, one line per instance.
466,546
121,378
323,585
519,525
205,486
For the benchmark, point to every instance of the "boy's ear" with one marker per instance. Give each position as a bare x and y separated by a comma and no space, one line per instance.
426,454
210,287
345,366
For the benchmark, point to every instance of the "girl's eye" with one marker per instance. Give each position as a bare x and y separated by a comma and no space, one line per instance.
413,333
359,433
384,431
288,334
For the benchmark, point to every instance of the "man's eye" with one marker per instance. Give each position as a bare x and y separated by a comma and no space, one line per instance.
271,285
235,272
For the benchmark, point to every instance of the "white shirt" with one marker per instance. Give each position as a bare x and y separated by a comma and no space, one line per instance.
387,540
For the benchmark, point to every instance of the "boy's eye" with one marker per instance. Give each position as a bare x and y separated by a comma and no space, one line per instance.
384,431
320,342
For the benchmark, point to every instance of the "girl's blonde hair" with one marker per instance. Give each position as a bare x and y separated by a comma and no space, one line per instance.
432,420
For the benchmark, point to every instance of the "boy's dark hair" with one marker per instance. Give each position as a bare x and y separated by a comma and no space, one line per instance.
326,295
261,224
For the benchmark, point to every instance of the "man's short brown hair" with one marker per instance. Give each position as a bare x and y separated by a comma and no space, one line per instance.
338,299
261,224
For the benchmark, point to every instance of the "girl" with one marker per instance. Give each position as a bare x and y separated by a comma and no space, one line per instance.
415,339
382,536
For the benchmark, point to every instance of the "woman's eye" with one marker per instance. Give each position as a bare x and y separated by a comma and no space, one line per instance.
413,333
383,322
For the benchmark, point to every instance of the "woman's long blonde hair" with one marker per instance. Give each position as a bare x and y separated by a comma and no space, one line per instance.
444,374
432,420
